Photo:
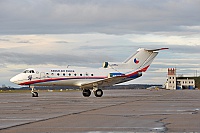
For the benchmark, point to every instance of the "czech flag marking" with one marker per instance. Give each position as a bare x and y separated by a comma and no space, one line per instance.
136,61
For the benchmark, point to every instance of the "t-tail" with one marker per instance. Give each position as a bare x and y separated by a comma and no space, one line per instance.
141,60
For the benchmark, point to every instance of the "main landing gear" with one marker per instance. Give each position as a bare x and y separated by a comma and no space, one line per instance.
34,93
86,92
97,92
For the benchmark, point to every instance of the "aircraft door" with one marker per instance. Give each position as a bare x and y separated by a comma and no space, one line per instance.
42,75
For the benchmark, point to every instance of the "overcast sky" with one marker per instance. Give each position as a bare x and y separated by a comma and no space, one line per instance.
40,33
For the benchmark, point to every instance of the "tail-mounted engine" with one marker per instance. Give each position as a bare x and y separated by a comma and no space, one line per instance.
113,65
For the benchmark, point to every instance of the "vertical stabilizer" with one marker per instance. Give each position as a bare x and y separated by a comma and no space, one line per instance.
140,60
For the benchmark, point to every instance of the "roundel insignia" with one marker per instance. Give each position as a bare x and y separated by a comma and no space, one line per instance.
136,61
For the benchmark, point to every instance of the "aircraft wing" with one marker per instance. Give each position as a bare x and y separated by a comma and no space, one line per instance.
112,80
104,82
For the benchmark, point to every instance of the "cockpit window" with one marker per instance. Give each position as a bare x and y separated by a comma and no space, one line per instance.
29,71
26,71
32,71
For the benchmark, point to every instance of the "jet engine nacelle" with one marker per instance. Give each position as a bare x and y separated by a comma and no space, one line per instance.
113,64
105,65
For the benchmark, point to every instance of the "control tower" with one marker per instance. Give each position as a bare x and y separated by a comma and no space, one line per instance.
171,79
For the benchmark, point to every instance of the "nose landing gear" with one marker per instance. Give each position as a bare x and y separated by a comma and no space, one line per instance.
34,93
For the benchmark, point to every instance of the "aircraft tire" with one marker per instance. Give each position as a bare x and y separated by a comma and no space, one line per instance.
34,94
98,93
86,92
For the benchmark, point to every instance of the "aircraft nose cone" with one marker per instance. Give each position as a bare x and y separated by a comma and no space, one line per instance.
13,79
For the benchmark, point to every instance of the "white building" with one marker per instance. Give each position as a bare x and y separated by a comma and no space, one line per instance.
174,82
185,83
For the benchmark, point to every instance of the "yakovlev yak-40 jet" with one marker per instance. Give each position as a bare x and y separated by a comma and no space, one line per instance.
89,78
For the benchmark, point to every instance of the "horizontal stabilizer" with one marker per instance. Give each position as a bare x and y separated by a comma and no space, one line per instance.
151,50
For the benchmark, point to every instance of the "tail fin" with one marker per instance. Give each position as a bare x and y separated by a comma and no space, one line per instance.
140,60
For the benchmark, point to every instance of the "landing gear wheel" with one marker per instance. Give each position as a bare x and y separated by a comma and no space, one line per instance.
98,93
34,94
86,92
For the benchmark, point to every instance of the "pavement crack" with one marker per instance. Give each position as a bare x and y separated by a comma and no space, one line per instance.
164,128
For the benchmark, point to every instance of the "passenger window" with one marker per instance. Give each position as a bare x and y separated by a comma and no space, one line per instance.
69,74
92,74
75,74
63,74
81,74
58,74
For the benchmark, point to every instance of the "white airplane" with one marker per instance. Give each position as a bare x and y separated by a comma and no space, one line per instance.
89,78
